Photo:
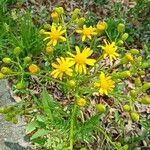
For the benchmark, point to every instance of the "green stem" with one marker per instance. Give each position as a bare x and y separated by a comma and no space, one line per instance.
107,137
72,126
108,35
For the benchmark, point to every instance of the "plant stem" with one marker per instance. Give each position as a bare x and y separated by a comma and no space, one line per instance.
107,137
108,35
72,126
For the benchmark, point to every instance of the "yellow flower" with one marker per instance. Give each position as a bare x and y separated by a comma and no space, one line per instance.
62,67
55,35
105,84
101,26
87,32
34,69
109,50
129,57
81,59
81,102
54,15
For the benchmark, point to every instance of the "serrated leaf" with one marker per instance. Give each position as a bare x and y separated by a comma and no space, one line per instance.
39,133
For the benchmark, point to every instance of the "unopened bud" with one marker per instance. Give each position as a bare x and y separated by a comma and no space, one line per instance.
49,50
55,17
101,108
125,36
20,85
133,93
127,108
134,51
47,26
121,27
146,86
145,100
2,76
101,26
59,10
75,14
27,60
71,83
129,57
125,74
138,82
135,116
81,102
120,43
42,31
145,65
6,60
17,51
6,70
81,22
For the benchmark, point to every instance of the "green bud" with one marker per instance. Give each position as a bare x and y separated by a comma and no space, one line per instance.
59,10
125,36
145,65
139,59
146,86
6,70
134,51
27,60
138,82
75,14
125,147
14,120
17,51
135,116
20,86
120,43
133,93
2,110
125,74
81,21
121,27
142,72
124,60
145,100
47,26
42,31
2,76
6,60
8,118
101,108
127,108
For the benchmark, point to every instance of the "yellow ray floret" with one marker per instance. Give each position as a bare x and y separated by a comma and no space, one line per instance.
87,32
55,35
110,50
105,84
81,59
62,67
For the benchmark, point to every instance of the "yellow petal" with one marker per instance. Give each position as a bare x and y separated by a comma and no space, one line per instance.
84,69
62,32
56,74
80,69
59,60
46,38
70,54
77,68
54,65
90,61
79,31
83,38
54,42
62,38
77,49
59,28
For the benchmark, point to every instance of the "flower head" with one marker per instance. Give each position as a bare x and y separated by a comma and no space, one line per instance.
34,69
105,84
109,50
81,59
55,35
62,67
81,102
87,32
101,26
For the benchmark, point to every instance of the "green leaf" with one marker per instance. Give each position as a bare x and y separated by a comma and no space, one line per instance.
39,133
31,126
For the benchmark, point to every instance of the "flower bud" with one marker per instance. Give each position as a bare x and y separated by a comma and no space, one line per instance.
135,116
138,82
2,109
141,72
55,17
121,27
49,50
14,120
139,59
27,60
145,65
81,102
6,60
133,93
41,31
59,10
124,60
75,14
72,83
145,100
126,108
81,22
125,74
134,51
101,26
2,76
47,26
101,108
34,69
125,36
17,51
146,86
6,70
119,43
20,85
129,57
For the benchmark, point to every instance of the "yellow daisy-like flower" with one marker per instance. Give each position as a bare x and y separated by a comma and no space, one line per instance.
55,35
87,32
105,84
62,67
110,50
81,59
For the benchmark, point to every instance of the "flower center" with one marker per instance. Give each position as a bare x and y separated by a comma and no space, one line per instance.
63,67
105,85
55,35
80,59
87,31
109,49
